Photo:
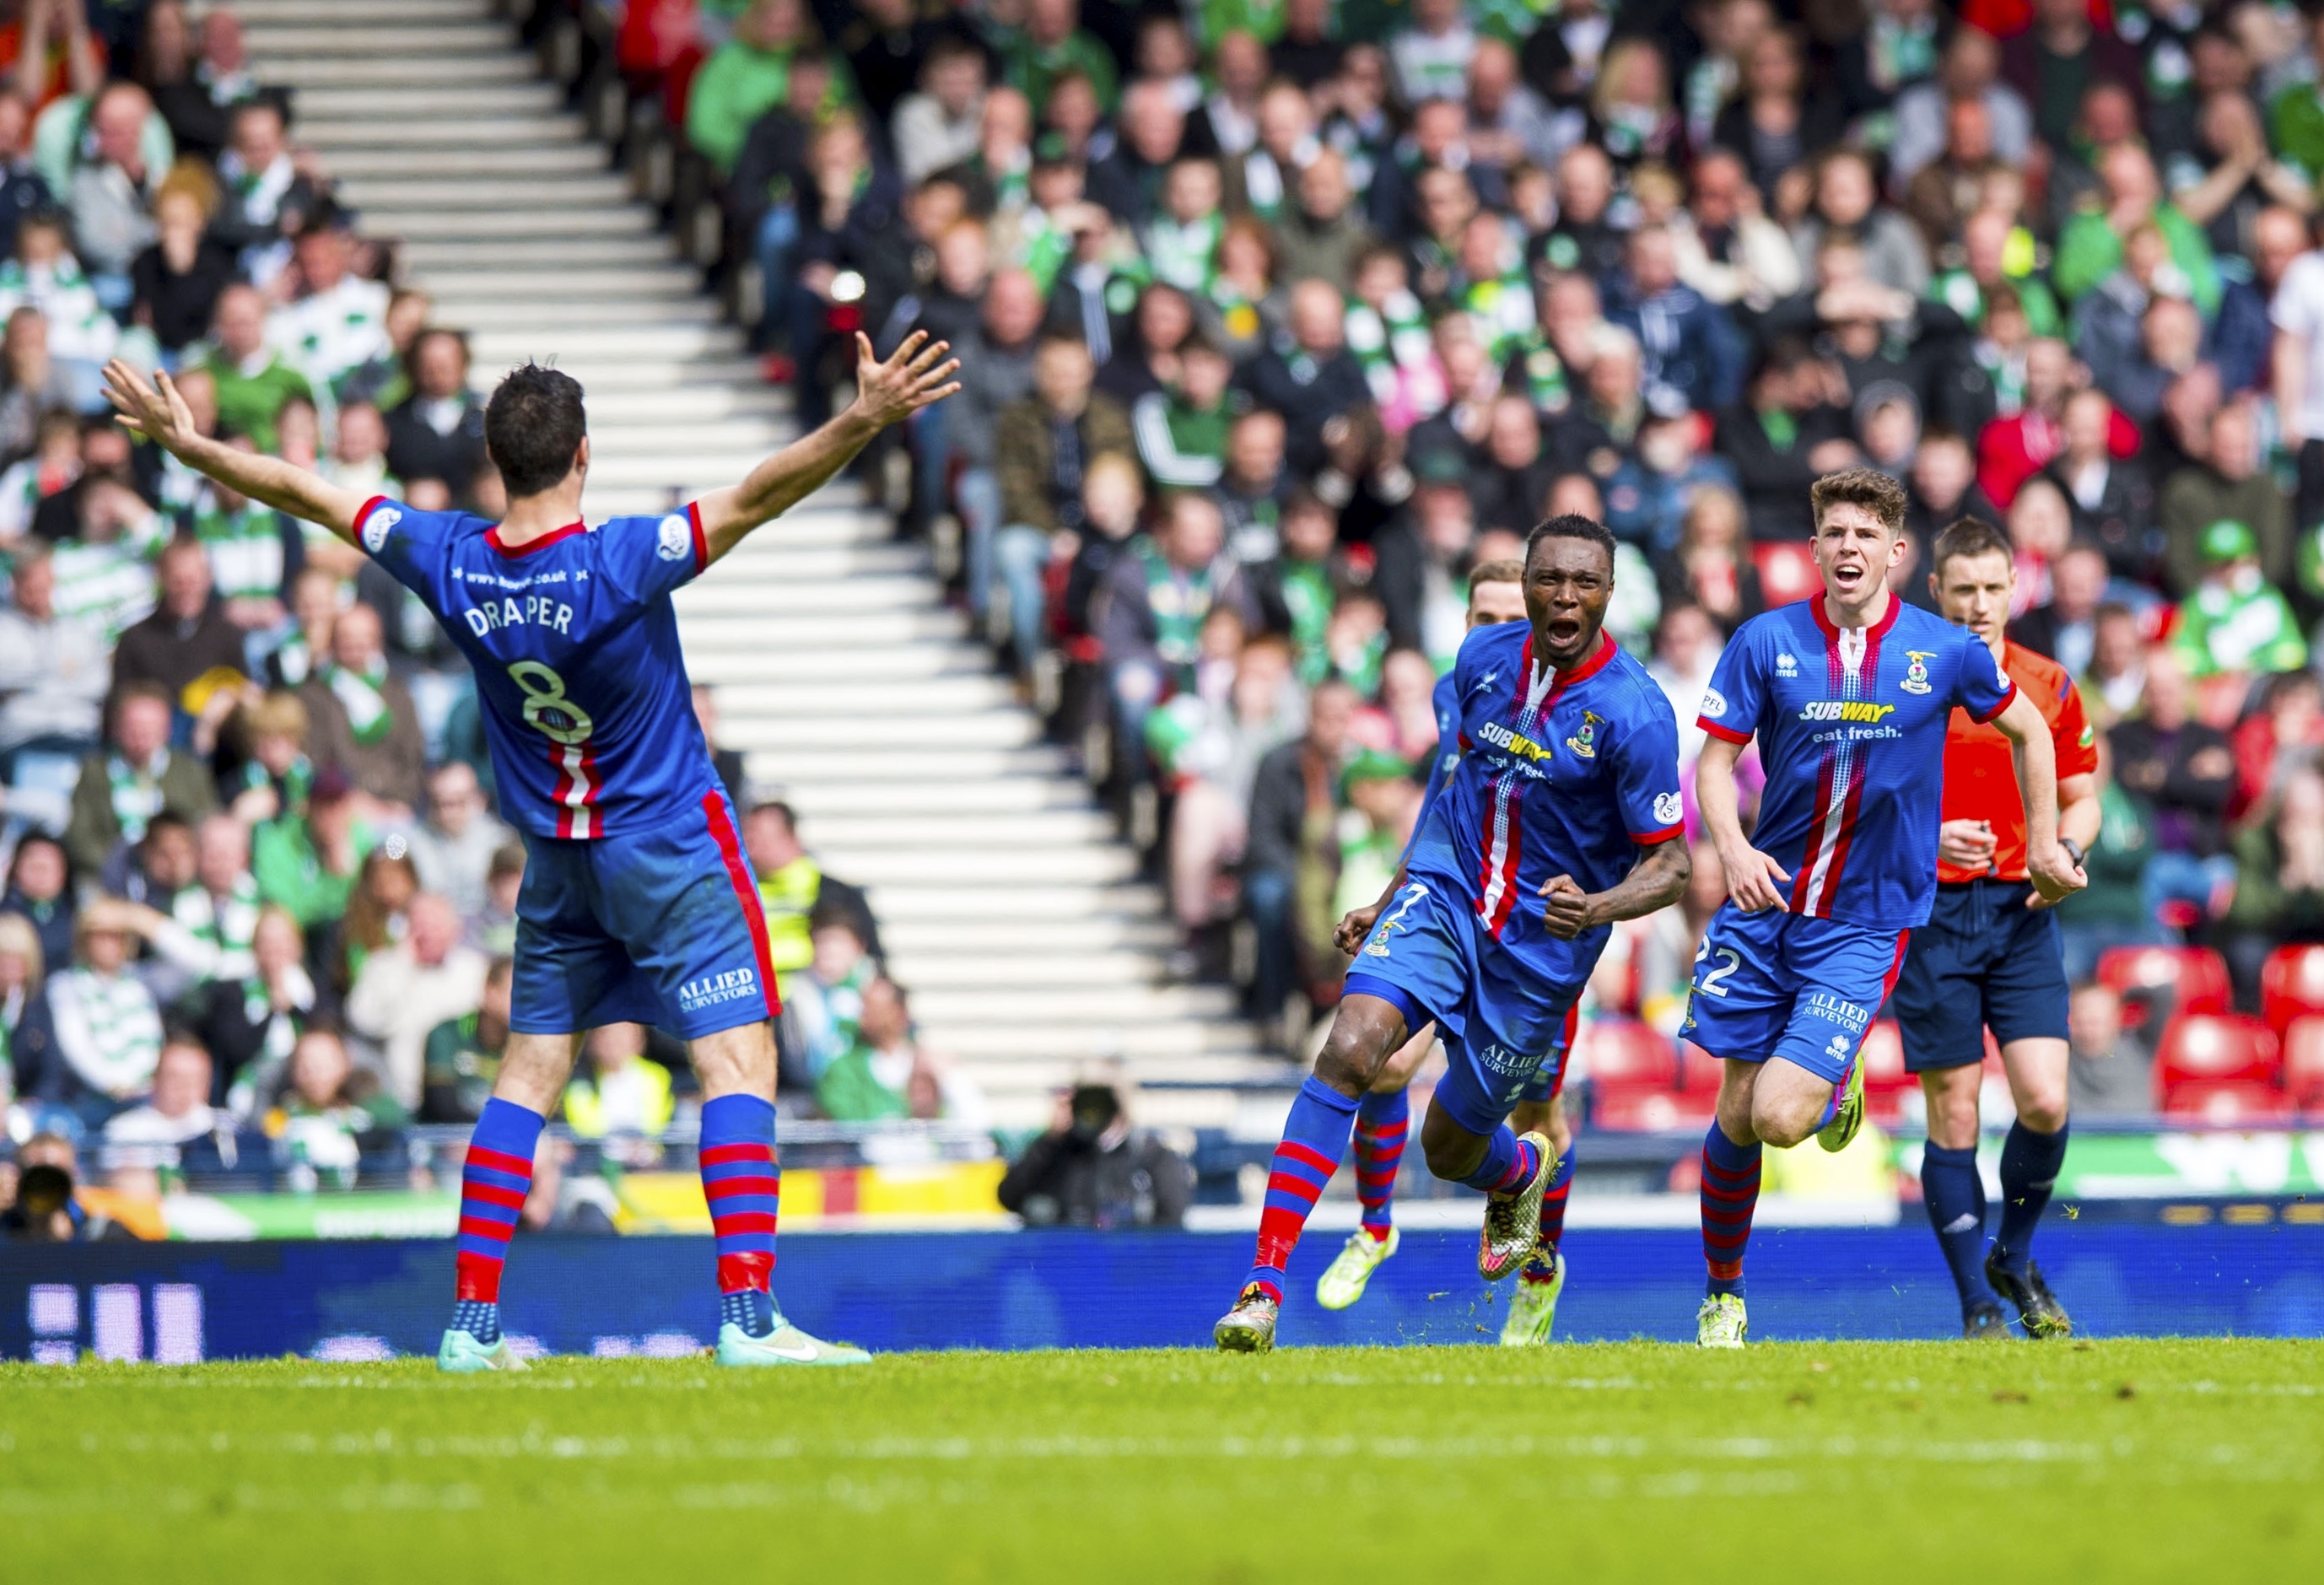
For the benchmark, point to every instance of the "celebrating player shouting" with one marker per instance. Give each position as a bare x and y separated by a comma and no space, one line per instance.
1383,1117
1849,694
638,903
1567,788
1991,957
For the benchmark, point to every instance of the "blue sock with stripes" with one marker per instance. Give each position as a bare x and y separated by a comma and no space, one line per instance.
1730,1196
1382,1125
1510,1163
742,1185
1314,1136
493,1181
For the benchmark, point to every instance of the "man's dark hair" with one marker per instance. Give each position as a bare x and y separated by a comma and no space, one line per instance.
1968,536
1572,525
533,425
1869,488
778,807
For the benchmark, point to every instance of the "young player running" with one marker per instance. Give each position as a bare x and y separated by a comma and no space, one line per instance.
1849,694
1383,1117
1566,790
638,903
1990,958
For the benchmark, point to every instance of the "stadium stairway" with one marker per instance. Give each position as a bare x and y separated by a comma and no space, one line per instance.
1007,902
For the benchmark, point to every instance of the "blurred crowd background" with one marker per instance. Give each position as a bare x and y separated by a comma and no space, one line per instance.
1277,318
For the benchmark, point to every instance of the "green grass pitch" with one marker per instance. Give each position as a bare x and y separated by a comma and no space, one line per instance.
2077,1462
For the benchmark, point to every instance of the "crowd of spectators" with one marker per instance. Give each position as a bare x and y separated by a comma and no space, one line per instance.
1278,318
259,909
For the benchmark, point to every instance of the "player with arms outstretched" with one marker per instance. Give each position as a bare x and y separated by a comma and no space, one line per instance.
1383,1117
1567,790
1848,694
638,903
1991,958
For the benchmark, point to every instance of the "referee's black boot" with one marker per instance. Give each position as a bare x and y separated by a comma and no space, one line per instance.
2037,1307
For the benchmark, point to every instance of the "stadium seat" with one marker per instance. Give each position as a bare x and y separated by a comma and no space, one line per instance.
2303,1063
2226,1104
1646,1110
2213,1049
1884,1078
1623,1054
2196,976
2291,985
1787,572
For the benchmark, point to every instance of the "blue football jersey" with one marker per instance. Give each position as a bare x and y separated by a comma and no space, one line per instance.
1446,701
586,703
1559,773
1851,730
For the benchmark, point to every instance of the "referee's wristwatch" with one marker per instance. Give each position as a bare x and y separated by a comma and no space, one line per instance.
2073,850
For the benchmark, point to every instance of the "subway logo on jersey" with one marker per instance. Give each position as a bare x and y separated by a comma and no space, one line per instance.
1508,741
1845,709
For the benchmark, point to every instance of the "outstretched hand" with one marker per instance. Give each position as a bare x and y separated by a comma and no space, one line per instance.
159,415
906,383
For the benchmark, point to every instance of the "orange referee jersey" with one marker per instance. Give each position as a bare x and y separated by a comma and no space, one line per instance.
1981,771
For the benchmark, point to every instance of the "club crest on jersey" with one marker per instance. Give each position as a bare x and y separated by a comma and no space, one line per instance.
1785,666
377,527
1584,742
1512,743
1917,670
1668,807
674,540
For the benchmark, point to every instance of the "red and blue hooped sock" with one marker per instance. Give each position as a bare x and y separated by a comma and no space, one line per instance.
1510,1163
1731,1193
1543,1267
743,1184
1315,1137
1383,1123
493,1181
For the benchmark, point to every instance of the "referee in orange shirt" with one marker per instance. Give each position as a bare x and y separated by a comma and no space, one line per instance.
1991,957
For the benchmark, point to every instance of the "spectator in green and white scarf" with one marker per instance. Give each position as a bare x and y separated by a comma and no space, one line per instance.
2235,621
249,547
136,777
109,1030
362,721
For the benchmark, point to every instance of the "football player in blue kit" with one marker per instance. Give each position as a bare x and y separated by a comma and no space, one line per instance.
1849,695
1383,1117
1567,792
637,904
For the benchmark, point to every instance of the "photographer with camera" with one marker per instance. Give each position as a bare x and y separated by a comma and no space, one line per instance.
1094,1169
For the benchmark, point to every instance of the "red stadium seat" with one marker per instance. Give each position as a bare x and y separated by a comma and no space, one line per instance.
1623,1054
2196,976
1787,572
2226,1104
2215,1048
1646,1110
1700,1072
1885,1081
2303,1063
2291,985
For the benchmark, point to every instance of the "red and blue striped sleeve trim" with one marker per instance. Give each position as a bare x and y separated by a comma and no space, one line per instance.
355,528
1726,734
1646,839
2006,699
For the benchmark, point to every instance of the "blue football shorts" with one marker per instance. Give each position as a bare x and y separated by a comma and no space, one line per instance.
1430,956
660,926
1776,983
1984,961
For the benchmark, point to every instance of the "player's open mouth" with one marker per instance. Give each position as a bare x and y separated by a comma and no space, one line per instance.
1562,632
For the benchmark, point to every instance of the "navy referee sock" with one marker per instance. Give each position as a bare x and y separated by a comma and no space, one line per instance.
2029,1171
1953,1191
